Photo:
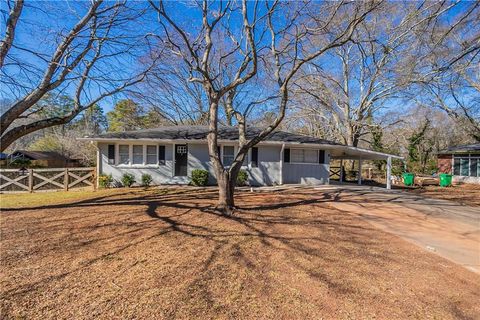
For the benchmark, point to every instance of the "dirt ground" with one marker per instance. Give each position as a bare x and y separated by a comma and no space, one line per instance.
468,194
166,254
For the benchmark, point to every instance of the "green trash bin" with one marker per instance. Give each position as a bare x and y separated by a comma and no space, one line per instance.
445,180
408,179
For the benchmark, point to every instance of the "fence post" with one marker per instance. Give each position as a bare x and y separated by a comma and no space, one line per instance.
95,180
65,180
30,180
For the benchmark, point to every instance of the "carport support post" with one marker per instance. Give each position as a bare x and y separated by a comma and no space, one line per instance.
359,171
389,173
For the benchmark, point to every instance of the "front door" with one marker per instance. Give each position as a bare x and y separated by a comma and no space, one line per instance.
181,157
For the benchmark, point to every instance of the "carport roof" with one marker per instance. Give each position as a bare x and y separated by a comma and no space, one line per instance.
352,153
199,133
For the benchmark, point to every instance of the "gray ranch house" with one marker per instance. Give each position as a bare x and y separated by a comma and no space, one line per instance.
170,153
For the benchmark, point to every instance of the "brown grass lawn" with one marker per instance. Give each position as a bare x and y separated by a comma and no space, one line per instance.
468,194
164,254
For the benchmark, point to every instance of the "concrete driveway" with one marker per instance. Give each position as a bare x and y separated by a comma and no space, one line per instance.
446,228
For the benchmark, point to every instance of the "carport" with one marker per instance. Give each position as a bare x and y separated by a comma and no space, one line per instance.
341,152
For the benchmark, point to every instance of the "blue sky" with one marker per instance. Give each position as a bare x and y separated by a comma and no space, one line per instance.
39,19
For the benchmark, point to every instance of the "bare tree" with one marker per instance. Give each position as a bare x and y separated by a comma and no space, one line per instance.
11,24
340,96
287,53
447,66
89,61
160,93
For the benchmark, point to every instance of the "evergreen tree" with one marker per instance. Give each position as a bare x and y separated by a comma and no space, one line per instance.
126,115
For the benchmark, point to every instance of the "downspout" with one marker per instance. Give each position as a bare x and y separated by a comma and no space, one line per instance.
281,164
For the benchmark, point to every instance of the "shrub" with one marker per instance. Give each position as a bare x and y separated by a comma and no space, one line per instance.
242,178
105,181
128,179
20,162
146,179
199,177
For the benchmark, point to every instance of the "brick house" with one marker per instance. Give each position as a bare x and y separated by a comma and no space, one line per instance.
463,162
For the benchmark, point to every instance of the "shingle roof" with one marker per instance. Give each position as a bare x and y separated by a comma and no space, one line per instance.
200,133
462,149
40,155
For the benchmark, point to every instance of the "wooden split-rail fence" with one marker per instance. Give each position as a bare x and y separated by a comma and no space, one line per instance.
35,180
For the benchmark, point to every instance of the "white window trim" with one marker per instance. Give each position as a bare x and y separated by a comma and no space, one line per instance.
137,165
222,153
156,164
117,153
130,156
307,163
465,156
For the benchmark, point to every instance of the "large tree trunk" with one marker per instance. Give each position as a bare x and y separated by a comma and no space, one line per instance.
226,191
225,181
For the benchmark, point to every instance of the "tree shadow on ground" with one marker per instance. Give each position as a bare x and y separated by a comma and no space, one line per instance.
286,233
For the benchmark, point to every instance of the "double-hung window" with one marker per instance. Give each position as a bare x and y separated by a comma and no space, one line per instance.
152,157
137,154
304,155
123,154
228,155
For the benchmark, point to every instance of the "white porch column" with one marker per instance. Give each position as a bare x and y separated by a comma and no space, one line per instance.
341,170
359,171
389,173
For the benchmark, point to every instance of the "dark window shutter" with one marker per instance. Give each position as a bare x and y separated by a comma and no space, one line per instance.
254,161
161,155
111,153
286,155
321,156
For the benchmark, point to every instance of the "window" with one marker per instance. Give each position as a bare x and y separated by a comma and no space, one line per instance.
304,155
310,156
161,155
228,155
151,155
456,166
111,154
474,167
254,160
123,154
137,154
466,165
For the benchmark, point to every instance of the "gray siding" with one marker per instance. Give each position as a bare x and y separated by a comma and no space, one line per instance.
162,174
198,158
267,173
268,170
303,173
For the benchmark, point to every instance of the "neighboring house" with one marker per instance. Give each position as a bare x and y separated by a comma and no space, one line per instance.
49,159
169,154
463,162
